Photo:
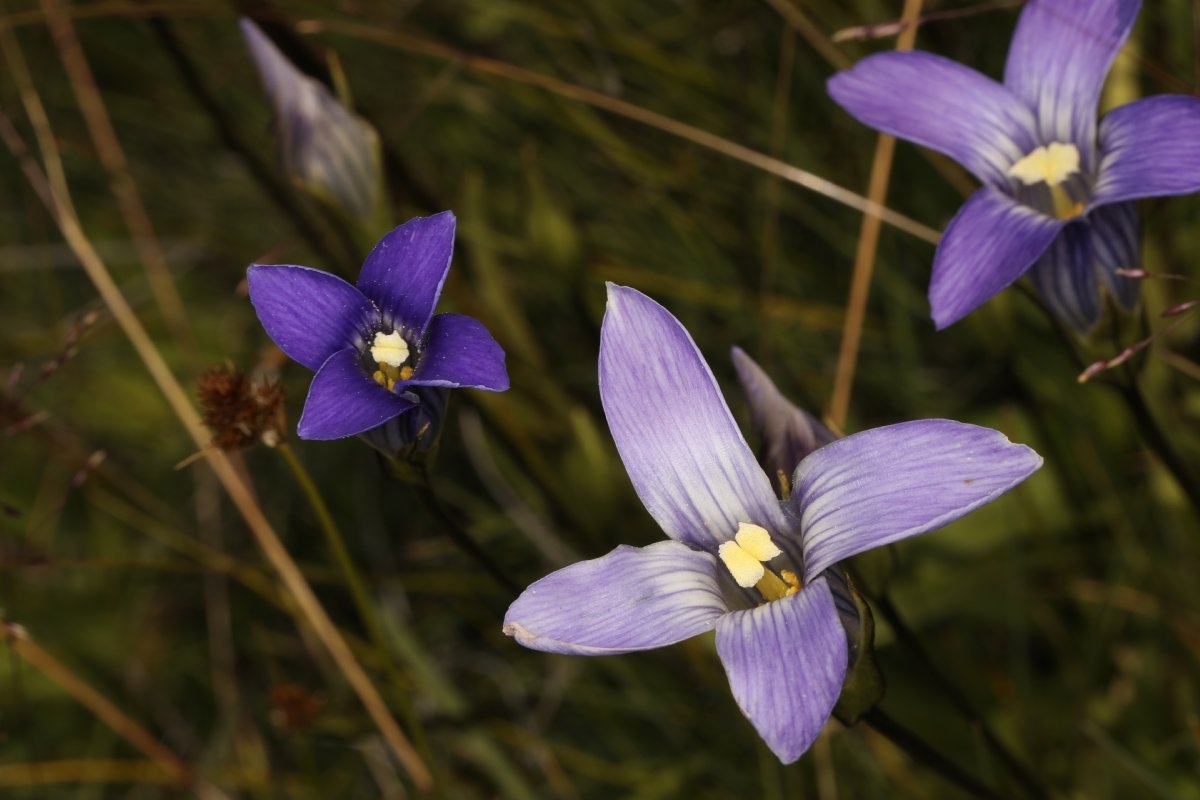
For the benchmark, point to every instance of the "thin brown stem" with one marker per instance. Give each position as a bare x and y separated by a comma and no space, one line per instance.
653,119
124,190
864,257
20,642
239,492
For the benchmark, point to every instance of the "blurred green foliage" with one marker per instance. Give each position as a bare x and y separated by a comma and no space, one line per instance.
1067,612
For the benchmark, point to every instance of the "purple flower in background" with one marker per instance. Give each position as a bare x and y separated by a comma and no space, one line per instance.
325,148
1057,188
376,347
739,560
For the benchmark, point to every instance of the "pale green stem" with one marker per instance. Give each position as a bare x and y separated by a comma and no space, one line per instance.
367,610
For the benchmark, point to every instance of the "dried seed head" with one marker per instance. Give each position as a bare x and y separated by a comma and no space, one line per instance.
238,411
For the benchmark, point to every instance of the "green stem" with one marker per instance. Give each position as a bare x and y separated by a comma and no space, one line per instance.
921,751
1151,433
906,636
367,610
458,535
311,227
1154,438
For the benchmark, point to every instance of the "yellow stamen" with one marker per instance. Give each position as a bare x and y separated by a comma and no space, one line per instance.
1051,164
774,587
1064,206
771,587
745,568
785,484
744,557
757,543
389,349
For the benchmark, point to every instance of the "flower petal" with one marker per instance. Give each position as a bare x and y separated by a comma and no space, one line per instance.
634,598
459,351
1059,56
1065,277
887,484
405,271
788,433
310,314
344,401
1116,240
1148,149
940,104
414,431
786,661
684,453
990,242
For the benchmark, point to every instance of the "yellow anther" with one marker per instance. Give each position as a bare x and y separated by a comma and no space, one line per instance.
745,568
406,373
1051,164
389,349
744,557
756,541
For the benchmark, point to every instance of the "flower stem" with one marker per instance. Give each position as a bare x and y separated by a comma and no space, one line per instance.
58,203
920,750
1127,386
458,535
1154,438
906,636
367,610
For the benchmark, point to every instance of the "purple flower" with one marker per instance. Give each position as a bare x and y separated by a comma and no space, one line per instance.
739,560
1057,188
326,149
376,346
788,433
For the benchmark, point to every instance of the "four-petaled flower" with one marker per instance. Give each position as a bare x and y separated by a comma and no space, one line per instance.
739,560
1057,188
376,346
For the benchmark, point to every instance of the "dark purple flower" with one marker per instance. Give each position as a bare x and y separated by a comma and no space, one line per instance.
739,560
375,345
1057,188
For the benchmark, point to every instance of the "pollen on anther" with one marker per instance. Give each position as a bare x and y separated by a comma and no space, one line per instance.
1052,164
756,541
390,349
745,568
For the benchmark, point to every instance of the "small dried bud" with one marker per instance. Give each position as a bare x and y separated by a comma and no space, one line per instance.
294,708
93,462
1137,274
238,411
1176,310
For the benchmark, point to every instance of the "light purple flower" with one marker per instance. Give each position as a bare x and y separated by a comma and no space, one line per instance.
1058,189
325,148
376,346
739,560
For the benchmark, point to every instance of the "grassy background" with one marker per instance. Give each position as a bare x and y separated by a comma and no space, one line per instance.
1066,612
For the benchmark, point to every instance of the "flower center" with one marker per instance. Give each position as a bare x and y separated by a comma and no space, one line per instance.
745,556
390,353
1050,180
